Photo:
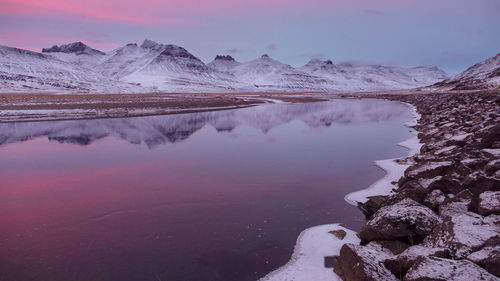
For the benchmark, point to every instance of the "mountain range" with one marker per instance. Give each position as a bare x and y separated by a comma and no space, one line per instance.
155,67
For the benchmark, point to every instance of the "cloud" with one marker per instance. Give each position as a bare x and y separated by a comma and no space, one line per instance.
271,47
318,56
233,51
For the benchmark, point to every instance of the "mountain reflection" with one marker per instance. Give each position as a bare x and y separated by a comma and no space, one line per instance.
157,130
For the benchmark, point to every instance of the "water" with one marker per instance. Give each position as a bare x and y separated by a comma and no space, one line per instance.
206,196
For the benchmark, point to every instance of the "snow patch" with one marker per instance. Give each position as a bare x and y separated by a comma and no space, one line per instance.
307,260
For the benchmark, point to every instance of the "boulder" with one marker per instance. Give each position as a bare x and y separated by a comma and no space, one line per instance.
363,263
457,205
405,219
434,199
440,269
489,203
396,247
402,262
462,234
371,205
479,182
428,169
488,258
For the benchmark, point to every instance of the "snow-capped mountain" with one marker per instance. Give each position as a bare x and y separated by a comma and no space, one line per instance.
152,66
76,53
482,75
348,76
25,71
164,67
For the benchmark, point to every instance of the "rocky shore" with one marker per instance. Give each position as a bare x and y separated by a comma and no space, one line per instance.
443,220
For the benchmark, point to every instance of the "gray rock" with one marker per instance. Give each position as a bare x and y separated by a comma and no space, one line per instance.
488,258
439,269
434,199
489,203
402,262
363,263
406,219
428,169
462,234
457,205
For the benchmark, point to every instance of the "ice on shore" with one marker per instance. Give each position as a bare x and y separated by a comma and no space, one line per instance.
313,245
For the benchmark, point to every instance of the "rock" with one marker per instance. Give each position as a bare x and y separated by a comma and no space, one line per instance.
372,205
330,261
405,219
396,247
457,205
411,189
339,233
434,199
479,182
462,234
363,263
402,262
488,258
440,269
492,167
428,169
489,203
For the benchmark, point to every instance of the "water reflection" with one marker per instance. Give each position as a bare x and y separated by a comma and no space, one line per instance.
205,204
157,130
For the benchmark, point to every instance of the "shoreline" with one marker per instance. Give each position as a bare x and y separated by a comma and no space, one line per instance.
443,220
308,265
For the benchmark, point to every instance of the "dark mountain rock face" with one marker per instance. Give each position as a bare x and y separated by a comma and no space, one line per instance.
178,52
77,48
227,58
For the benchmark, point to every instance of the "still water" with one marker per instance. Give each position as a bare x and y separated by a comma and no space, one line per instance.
204,196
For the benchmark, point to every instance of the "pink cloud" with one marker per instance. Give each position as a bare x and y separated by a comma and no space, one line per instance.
271,47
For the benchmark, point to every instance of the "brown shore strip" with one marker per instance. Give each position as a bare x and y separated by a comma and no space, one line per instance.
49,107
443,220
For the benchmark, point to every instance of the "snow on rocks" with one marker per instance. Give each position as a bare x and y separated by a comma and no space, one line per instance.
363,263
404,219
489,203
457,205
402,262
488,258
440,269
462,234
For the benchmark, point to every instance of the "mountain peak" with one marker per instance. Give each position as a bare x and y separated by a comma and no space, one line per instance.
149,44
177,52
76,47
226,58
265,56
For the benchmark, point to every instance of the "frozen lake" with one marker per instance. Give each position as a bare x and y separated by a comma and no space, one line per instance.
204,196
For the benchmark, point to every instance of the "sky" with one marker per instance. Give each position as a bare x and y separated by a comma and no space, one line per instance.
450,34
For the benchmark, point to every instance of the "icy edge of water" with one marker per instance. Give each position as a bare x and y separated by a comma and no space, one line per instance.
394,170
313,244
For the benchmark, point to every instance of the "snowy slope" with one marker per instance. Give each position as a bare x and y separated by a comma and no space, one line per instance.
24,71
482,75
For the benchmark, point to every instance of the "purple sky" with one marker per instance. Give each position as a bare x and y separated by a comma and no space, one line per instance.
452,34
